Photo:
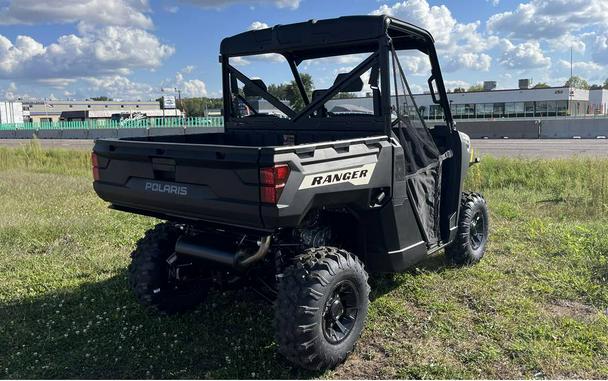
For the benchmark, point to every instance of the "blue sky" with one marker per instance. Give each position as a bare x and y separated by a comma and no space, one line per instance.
129,49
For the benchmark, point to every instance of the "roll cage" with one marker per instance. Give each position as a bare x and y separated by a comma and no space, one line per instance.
378,36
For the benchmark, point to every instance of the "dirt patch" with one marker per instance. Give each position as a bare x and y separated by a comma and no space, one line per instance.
571,309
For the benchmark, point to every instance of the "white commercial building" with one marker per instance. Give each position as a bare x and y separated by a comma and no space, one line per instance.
514,103
11,112
55,111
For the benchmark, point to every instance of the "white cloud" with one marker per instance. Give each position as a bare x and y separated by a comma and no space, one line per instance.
117,86
239,61
188,69
587,67
600,49
133,13
97,51
195,88
218,4
567,41
456,84
453,39
58,83
415,64
527,55
9,92
257,25
416,89
472,61
192,88
549,19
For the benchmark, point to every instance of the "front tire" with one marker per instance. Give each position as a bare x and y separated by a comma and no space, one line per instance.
321,307
473,227
152,279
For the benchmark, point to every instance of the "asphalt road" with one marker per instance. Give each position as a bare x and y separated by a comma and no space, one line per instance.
497,147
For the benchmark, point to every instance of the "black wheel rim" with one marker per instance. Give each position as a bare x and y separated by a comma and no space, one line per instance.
340,312
477,231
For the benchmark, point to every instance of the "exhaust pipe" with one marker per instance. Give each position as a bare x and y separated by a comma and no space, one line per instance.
187,246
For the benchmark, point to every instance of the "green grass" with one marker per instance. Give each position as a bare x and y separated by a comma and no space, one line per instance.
535,307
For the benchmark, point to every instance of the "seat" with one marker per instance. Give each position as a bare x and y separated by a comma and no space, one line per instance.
251,91
353,87
322,111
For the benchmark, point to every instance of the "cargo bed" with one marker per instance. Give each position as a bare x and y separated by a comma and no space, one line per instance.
202,178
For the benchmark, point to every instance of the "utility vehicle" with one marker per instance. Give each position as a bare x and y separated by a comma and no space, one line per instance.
307,201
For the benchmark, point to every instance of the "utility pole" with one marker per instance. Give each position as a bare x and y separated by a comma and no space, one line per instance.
179,96
571,65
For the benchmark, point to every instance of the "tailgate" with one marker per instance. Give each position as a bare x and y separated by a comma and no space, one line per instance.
193,181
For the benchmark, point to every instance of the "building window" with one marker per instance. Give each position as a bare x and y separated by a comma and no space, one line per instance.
435,112
499,110
484,110
562,108
551,108
529,109
469,110
541,109
518,109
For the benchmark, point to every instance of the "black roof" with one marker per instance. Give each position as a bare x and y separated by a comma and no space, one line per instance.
325,38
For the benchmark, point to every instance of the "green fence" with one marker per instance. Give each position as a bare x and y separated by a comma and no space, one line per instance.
101,124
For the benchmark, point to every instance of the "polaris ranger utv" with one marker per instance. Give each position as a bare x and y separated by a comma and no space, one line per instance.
308,200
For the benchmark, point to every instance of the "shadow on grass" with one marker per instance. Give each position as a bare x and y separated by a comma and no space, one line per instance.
382,284
98,331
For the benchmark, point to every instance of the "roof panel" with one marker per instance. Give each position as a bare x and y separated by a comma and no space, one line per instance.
312,39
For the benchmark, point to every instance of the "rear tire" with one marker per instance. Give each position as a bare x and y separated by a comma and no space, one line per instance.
150,277
321,307
473,227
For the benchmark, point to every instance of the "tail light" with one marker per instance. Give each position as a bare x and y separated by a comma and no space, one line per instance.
272,182
95,165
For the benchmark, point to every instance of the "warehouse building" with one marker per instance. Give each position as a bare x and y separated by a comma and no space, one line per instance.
11,112
55,111
511,103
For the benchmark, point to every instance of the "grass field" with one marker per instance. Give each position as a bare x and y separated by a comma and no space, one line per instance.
535,307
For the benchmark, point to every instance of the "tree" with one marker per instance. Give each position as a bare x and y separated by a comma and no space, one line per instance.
278,91
196,107
101,99
478,87
577,83
606,84
541,85
595,86
459,90
293,93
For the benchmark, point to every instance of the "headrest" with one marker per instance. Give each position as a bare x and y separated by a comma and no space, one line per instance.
252,92
316,94
356,85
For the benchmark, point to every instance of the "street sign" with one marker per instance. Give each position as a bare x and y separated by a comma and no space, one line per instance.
169,102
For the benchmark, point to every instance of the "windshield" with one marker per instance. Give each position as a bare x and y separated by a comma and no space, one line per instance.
257,92
278,90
